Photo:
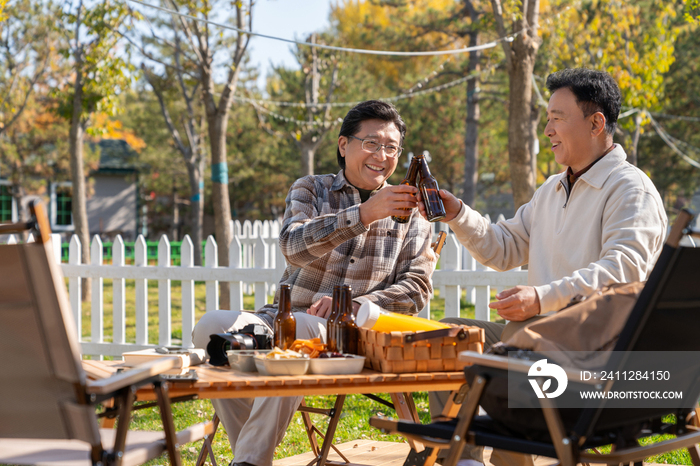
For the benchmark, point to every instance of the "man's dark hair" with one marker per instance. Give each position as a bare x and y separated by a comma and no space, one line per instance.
369,110
595,91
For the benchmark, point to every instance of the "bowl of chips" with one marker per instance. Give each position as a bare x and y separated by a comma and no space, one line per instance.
282,362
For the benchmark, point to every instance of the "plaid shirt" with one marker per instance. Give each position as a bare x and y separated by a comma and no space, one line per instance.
325,244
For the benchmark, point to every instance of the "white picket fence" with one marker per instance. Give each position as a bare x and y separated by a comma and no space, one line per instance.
256,265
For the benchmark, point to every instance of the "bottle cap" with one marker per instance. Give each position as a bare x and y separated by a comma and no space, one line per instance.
367,315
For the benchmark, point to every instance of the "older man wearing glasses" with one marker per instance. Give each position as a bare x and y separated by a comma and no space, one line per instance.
337,230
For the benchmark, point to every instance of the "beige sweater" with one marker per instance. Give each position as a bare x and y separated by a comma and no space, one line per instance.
610,229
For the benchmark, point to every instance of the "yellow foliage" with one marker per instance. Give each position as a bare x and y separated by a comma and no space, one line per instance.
357,23
635,46
113,129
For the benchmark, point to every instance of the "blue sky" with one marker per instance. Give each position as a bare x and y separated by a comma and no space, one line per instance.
290,19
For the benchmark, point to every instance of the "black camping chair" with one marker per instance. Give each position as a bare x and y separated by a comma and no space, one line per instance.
665,318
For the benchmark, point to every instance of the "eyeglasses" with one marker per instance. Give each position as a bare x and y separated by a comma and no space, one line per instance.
369,145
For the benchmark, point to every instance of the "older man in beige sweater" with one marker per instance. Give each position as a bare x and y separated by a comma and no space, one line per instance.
598,222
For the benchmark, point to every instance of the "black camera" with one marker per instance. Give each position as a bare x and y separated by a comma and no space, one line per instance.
252,336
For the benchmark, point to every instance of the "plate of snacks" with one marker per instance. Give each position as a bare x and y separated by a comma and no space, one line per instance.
282,362
336,363
242,360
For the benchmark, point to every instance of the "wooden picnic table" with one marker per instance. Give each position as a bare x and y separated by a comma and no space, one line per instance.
224,382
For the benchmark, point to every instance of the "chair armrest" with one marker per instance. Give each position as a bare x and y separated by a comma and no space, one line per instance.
518,365
132,376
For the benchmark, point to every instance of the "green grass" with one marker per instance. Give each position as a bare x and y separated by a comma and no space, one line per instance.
358,409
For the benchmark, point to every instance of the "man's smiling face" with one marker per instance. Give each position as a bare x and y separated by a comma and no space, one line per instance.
367,170
568,130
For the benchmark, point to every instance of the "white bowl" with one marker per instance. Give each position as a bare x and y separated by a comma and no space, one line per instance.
350,364
295,366
242,360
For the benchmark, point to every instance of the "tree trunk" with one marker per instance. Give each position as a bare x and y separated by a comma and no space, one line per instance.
632,156
220,197
520,62
520,134
308,151
78,201
535,115
471,136
196,208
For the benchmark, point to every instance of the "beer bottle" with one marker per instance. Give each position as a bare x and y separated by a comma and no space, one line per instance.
410,180
332,320
430,192
285,324
348,335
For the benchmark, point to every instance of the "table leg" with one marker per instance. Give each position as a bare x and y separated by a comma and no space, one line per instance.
451,409
406,411
206,449
322,458
106,422
309,426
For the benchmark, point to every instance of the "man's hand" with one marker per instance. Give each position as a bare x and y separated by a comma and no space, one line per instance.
517,304
323,307
451,203
387,202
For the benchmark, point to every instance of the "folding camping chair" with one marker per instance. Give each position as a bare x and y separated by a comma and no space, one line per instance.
665,317
47,407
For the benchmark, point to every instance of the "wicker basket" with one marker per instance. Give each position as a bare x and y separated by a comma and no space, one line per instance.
389,352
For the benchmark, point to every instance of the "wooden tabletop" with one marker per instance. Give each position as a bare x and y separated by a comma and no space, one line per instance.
223,382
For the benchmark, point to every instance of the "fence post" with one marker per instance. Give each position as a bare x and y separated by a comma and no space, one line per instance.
451,261
56,247
234,261
164,297
280,262
468,263
260,254
247,243
187,260
211,260
141,260
97,303
483,296
74,284
118,294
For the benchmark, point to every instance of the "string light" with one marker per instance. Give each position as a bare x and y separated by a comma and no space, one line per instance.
668,140
485,46
405,95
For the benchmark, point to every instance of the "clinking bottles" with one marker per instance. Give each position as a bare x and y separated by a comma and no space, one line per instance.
285,324
347,333
430,192
371,316
332,320
410,180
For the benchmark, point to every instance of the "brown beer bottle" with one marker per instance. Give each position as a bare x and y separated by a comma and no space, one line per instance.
430,192
332,321
348,335
410,180
285,324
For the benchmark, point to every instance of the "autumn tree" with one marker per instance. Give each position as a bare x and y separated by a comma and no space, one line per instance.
634,41
179,90
33,150
309,92
27,44
90,33
211,51
523,114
